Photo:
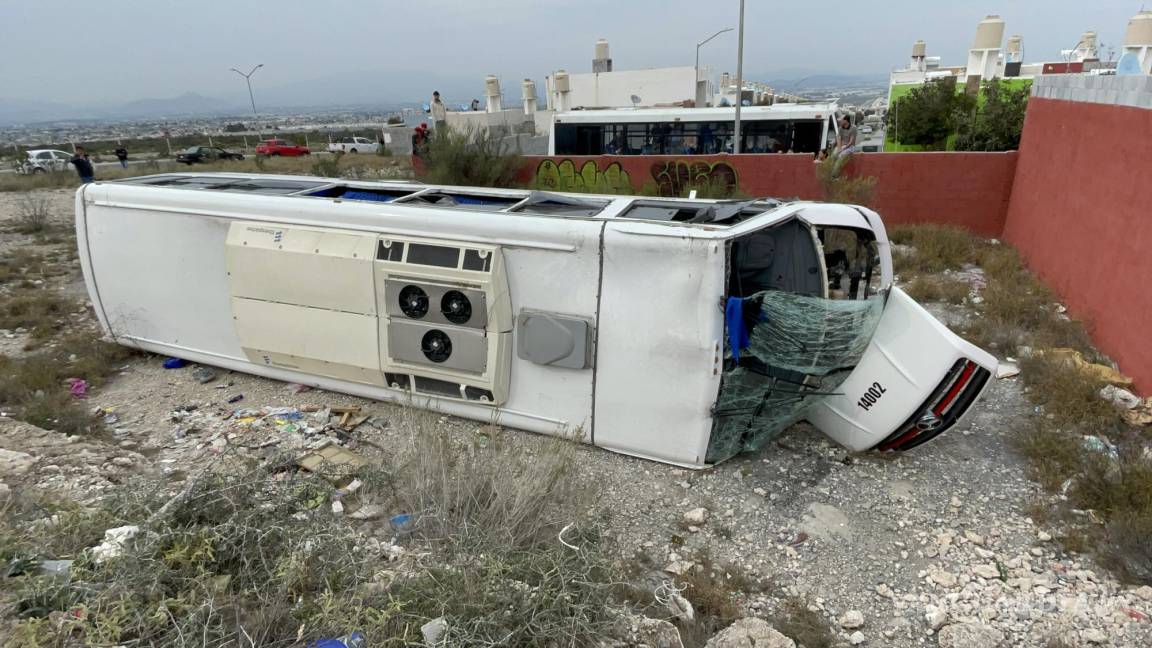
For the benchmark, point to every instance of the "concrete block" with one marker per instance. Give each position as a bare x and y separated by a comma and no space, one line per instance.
1128,98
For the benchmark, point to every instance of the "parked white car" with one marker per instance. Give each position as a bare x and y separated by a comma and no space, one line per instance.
354,145
43,161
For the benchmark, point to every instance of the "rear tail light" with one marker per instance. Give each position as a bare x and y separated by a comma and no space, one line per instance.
952,397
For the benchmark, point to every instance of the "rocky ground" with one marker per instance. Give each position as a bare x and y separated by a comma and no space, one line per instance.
933,547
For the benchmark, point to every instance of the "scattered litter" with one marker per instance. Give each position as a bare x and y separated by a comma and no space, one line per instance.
175,363
1102,446
1119,397
1076,360
367,512
111,418
1139,415
78,387
353,640
330,454
668,595
203,375
433,631
1007,370
297,388
236,399
56,568
401,522
114,542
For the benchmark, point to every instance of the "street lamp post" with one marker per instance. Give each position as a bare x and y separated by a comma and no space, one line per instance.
248,80
739,80
698,46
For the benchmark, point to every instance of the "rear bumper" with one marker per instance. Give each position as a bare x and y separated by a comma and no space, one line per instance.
916,380
952,399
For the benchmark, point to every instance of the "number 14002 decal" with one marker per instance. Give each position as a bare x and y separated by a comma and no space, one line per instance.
871,396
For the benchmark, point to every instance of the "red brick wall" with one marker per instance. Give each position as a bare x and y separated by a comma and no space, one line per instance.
1081,217
966,189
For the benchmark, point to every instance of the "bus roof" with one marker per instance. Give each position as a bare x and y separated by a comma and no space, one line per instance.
701,213
747,113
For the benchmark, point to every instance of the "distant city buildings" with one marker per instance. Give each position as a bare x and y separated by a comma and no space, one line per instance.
991,58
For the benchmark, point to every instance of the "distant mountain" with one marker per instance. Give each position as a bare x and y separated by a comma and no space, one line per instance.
185,105
379,88
786,80
189,103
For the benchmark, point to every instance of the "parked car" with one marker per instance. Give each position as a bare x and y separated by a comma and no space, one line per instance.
354,145
43,161
194,154
277,147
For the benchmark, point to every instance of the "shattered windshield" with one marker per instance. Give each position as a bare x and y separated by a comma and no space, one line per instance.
784,351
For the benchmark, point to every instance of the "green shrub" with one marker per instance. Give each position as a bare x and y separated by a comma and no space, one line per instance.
475,158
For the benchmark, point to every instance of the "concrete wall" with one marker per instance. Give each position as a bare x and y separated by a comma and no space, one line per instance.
1080,212
969,190
615,89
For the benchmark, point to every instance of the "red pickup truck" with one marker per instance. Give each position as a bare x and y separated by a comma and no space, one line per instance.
276,147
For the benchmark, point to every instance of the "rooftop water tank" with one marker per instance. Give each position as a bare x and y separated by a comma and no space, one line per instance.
1088,40
602,49
1015,44
562,84
989,33
1139,32
528,89
919,49
491,86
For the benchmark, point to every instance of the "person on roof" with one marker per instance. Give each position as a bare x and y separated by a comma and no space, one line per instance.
438,110
847,143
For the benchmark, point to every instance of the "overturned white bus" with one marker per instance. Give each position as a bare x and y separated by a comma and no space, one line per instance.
684,331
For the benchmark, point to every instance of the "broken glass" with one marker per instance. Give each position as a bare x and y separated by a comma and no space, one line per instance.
799,348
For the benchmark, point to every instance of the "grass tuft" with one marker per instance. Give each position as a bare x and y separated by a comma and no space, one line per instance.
807,628
256,558
930,288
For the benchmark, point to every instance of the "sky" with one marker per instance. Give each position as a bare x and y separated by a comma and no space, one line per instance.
122,50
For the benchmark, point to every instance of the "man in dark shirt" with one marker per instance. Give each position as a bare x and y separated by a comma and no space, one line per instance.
122,155
83,165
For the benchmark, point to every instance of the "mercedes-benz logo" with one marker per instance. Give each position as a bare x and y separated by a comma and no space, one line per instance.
929,422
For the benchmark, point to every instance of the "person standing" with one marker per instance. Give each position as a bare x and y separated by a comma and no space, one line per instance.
122,155
83,165
439,111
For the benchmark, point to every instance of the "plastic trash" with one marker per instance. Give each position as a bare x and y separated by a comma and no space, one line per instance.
78,387
236,399
353,640
1102,446
401,521
203,375
175,363
297,388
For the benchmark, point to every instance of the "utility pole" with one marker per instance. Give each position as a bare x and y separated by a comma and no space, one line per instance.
248,80
739,80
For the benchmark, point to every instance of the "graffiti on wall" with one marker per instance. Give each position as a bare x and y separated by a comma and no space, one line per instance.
590,178
671,178
678,177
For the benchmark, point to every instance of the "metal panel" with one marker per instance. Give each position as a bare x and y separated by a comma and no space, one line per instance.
437,295
554,340
658,348
326,342
308,267
415,343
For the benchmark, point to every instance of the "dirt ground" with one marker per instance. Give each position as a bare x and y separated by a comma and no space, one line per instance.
915,542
